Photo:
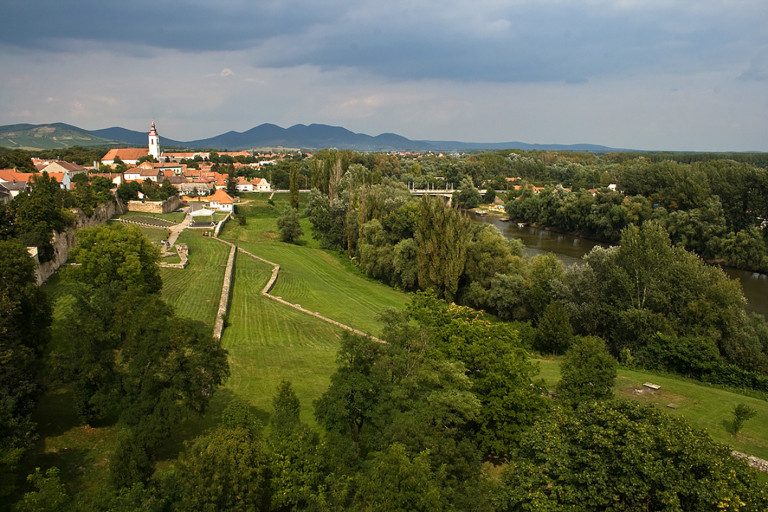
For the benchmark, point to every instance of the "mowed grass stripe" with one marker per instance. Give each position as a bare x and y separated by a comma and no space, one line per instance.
317,280
194,292
269,342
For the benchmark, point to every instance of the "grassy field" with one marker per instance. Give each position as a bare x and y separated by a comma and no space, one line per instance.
194,292
313,278
269,343
703,406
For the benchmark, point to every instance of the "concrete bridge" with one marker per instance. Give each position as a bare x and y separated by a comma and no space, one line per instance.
442,192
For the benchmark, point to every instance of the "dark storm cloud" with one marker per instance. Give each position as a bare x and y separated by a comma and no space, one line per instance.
463,41
169,24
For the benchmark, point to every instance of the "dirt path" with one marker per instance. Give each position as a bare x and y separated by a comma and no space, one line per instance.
178,228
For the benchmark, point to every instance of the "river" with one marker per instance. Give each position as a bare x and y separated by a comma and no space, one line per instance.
570,249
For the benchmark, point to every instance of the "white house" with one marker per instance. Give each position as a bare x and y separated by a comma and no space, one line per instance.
221,201
261,185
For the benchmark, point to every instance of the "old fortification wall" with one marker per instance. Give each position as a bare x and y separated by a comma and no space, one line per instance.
220,225
64,241
166,206
226,291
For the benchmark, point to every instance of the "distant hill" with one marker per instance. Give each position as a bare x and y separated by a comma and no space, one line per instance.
50,136
313,136
132,137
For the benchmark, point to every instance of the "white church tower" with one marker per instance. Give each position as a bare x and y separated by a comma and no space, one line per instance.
154,143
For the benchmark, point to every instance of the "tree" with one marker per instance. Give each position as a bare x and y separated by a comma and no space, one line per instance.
25,319
393,480
376,251
293,178
442,236
741,414
467,196
554,333
127,351
495,362
349,404
39,213
618,456
587,372
225,470
116,256
288,224
231,181
286,405
50,495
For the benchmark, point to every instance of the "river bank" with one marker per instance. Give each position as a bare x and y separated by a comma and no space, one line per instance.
570,249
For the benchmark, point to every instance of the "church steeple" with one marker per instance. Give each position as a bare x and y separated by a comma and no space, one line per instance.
154,143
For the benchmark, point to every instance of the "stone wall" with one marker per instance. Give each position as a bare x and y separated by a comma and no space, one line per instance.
167,206
218,328
754,462
63,241
183,251
220,225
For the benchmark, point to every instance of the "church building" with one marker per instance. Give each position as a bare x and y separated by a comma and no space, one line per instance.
130,156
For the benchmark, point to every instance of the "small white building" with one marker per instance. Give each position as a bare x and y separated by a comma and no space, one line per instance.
221,201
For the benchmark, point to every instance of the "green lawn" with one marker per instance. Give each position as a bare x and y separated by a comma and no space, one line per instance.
269,342
317,280
703,406
195,291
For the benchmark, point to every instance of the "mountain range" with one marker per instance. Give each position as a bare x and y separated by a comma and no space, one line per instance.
312,137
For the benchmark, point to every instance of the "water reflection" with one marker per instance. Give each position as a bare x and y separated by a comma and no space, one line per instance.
570,249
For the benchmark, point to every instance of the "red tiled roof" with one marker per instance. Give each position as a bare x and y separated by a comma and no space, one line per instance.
125,154
221,197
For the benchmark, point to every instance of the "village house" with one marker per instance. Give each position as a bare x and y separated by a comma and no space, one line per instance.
261,185
221,201
243,185
60,166
133,174
5,194
16,182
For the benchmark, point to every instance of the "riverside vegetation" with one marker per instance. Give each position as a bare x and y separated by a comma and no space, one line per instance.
407,424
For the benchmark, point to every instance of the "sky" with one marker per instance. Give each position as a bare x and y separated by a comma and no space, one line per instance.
684,75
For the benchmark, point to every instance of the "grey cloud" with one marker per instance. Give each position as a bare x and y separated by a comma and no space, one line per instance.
463,41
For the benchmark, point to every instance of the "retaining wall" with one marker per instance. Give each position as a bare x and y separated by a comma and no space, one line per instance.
63,241
167,206
226,289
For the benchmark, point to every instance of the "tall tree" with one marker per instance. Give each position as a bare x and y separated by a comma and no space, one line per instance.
289,226
293,178
442,238
25,319
129,353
